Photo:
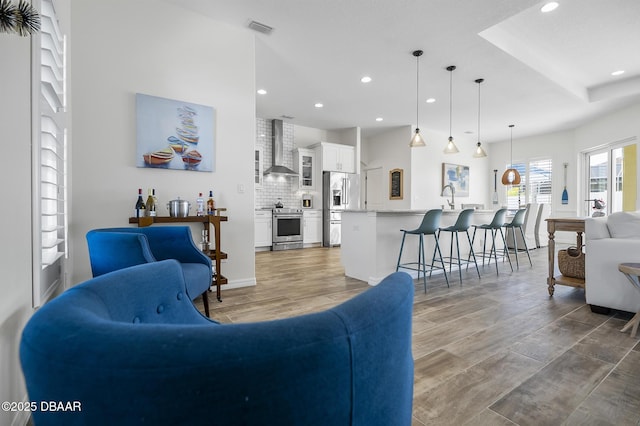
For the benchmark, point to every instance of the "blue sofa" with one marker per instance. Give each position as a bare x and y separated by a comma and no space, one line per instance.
131,349
111,249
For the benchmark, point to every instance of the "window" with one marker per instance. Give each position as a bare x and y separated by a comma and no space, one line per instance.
540,181
606,175
49,156
516,194
534,187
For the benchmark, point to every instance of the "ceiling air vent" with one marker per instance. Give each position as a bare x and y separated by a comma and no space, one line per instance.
260,27
287,117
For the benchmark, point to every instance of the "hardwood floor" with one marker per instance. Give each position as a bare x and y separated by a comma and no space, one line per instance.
492,351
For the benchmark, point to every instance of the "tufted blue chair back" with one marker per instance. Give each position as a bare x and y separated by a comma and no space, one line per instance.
135,356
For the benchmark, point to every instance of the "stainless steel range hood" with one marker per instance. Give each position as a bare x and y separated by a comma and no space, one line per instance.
277,150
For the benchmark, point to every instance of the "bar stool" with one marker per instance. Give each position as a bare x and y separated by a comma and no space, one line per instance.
517,223
462,225
429,226
495,226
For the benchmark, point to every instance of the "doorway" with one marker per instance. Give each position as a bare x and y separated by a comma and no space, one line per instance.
373,189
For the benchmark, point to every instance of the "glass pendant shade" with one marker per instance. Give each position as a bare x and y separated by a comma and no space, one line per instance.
479,152
417,140
511,175
451,147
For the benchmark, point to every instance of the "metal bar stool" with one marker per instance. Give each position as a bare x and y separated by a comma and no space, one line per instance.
517,223
462,225
429,226
495,226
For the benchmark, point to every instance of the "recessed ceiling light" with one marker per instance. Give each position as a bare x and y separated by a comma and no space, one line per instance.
366,79
318,105
262,92
379,119
431,100
619,72
549,7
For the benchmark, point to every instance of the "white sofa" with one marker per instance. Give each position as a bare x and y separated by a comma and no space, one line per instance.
610,241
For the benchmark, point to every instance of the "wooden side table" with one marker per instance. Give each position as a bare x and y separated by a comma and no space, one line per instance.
632,272
215,254
562,224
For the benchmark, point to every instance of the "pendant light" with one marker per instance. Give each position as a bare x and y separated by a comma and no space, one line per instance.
511,175
479,153
417,140
451,147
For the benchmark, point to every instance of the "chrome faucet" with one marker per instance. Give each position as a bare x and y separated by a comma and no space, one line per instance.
451,203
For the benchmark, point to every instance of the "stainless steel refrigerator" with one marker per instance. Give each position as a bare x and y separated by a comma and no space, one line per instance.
341,191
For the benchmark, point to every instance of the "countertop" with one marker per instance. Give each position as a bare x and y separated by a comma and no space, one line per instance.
408,211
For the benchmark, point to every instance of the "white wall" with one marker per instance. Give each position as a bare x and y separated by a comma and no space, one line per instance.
560,147
566,147
618,126
121,48
307,136
382,151
15,252
426,171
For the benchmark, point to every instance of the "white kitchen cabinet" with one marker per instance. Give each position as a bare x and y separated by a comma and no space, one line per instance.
312,220
258,167
336,157
305,166
263,228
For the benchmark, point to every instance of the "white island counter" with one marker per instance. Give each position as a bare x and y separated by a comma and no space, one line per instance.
371,240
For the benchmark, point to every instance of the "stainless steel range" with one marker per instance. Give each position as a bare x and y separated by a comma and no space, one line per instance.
287,229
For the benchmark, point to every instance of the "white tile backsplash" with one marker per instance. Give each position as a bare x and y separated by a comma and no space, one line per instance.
285,189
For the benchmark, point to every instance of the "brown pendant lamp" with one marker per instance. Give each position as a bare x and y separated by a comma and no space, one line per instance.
511,175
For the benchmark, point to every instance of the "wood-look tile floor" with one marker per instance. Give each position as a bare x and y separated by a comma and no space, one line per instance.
492,351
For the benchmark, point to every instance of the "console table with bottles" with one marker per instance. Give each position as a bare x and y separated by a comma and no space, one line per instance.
214,252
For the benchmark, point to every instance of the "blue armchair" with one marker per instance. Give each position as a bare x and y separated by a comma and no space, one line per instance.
111,249
131,349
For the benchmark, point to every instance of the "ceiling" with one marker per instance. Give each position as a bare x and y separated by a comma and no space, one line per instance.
543,72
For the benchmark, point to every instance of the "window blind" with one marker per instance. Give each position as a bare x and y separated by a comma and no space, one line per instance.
50,156
540,174
516,194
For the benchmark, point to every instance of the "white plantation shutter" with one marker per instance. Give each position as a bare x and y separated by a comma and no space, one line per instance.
516,194
49,156
540,181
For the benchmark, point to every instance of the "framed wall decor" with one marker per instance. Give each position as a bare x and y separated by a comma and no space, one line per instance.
396,183
458,177
174,134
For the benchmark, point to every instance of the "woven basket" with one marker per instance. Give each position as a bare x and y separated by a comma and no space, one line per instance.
571,262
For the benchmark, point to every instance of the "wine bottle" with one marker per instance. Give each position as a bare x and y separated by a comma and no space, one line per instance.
151,205
211,205
140,207
200,205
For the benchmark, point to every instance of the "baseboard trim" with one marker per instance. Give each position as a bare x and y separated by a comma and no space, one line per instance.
239,284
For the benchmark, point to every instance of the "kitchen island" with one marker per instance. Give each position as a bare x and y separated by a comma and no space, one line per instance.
371,240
